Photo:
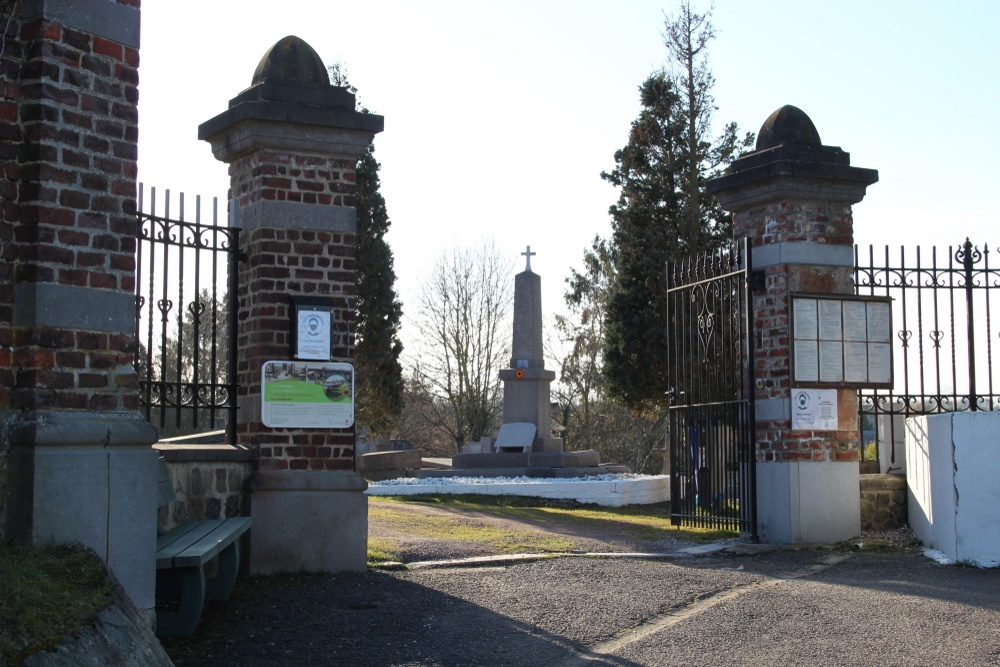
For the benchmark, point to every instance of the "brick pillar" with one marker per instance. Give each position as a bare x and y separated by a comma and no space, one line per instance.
792,197
292,142
81,468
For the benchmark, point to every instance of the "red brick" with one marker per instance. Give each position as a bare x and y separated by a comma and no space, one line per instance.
34,358
107,48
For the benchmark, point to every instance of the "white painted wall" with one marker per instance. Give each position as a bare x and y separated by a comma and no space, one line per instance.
610,493
952,475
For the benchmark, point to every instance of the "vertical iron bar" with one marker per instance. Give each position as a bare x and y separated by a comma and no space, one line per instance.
196,316
214,351
180,315
235,256
164,313
951,322
143,379
989,327
750,456
967,261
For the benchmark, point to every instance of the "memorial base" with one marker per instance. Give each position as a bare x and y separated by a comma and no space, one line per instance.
308,521
528,464
808,502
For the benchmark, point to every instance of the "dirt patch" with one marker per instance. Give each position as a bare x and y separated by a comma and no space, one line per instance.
413,532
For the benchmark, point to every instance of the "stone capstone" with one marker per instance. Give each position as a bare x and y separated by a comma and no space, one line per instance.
788,125
292,60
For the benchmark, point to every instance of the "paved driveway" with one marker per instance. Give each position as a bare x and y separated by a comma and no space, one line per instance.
779,608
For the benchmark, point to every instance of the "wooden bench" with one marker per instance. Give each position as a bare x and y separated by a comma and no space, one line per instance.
181,556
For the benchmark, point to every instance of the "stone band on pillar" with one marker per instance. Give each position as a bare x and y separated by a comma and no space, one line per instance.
292,142
792,198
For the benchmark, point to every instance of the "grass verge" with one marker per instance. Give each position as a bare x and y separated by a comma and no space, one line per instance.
45,593
644,522
458,527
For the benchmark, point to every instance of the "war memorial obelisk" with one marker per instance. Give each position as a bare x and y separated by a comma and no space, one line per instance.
525,446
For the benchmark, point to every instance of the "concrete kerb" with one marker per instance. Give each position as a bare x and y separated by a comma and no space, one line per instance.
737,548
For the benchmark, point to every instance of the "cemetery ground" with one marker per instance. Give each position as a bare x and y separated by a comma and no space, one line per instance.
876,600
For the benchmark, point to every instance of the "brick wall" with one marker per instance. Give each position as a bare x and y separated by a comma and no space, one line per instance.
309,179
11,137
281,263
810,221
68,130
797,222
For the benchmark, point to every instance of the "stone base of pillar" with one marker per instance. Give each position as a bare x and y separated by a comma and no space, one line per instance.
308,521
808,502
88,477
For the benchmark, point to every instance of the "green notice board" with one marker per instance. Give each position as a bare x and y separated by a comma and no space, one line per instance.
307,394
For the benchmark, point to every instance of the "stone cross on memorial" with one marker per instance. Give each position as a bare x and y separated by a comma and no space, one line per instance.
527,254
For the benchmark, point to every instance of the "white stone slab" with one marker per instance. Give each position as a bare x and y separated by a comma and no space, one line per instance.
518,436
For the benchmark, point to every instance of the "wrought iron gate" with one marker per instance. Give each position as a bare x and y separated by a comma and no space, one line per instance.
711,418
185,316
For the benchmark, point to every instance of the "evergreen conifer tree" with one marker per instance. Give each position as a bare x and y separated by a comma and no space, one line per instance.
377,348
662,213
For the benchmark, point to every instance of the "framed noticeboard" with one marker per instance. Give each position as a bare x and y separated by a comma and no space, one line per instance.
841,341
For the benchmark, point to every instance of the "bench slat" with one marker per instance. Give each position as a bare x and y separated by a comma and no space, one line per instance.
224,534
194,544
175,541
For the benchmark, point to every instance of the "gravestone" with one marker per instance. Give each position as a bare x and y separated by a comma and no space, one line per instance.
524,445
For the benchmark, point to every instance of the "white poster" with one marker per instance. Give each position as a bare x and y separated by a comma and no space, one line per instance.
313,333
814,410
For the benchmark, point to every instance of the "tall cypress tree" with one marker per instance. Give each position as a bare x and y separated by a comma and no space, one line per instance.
662,213
378,372
646,235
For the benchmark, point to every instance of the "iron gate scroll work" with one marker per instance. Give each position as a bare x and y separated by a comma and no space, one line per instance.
185,317
943,305
711,418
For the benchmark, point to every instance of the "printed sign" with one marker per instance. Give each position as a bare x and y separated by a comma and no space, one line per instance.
313,334
814,410
303,394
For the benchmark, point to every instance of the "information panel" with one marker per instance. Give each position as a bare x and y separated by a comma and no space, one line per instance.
814,410
303,394
842,341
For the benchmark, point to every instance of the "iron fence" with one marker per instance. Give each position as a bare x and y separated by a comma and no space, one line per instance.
185,318
943,303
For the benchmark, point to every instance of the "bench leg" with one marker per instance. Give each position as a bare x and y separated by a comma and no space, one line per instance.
191,582
229,564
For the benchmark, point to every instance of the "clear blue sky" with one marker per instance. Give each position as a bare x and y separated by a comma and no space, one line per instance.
499,117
